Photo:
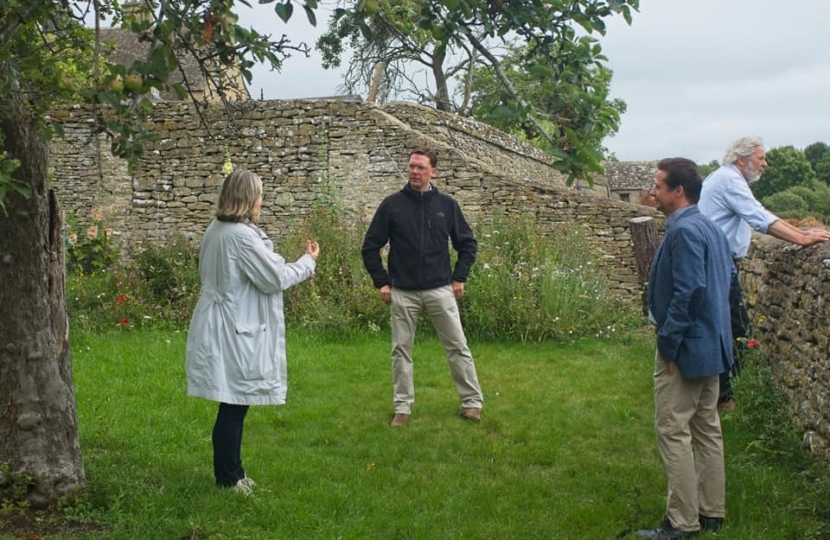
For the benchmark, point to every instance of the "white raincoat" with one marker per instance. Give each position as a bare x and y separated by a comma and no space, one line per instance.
236,342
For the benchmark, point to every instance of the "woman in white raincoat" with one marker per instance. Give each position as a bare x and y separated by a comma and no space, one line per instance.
236,341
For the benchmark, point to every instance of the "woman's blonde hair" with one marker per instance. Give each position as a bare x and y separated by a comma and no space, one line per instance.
238,197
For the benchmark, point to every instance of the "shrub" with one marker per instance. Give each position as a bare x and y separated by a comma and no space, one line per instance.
767,413
524,286
157,288
88,247
340,297
171,270
527,286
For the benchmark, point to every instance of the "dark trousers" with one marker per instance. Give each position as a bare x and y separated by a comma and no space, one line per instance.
740,330
227,444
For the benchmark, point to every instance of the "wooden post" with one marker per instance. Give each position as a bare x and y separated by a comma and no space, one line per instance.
644,239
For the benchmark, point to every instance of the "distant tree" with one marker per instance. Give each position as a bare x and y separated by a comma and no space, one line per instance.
787,167
709,168
815,152
802,201
787,204
822,168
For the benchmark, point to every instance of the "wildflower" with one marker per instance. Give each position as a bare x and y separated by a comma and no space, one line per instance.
227,166
752,343
121,299
73,239
98,214
92,232
124,322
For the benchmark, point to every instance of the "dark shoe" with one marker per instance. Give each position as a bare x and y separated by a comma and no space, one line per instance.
727,406
666,531
710,523
469,413
400,420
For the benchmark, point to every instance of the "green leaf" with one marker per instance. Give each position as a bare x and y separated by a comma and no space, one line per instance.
312,18
284,11
181,91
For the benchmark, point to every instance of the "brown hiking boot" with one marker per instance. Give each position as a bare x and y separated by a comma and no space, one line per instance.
469,413
400,420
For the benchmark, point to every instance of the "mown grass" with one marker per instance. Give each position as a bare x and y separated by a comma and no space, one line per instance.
566,449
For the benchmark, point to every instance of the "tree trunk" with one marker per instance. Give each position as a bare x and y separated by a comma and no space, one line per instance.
442,93
380,67
38,422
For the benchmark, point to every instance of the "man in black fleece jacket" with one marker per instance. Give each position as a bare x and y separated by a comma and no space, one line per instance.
417,222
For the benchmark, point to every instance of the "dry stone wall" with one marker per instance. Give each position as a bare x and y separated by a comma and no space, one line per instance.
308,151
787,290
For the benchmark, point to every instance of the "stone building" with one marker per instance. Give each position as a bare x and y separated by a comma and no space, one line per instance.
125,47
630,181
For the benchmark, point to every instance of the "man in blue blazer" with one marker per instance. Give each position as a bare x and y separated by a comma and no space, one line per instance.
688,291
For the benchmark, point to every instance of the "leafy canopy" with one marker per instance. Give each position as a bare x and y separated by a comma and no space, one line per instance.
569,96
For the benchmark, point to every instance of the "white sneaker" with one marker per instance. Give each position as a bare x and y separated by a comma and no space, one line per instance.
243,488
248,481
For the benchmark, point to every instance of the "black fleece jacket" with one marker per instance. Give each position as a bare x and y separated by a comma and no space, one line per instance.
417,226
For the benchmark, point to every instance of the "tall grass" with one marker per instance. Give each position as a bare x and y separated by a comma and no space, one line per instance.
524,286
566,449
530,287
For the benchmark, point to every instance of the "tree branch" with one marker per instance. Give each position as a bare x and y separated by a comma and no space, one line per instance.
496,65
9,29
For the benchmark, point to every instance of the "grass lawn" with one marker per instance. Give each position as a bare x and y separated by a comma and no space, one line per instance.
566,448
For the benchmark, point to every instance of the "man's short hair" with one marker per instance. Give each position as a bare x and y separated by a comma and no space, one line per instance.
682,172
428,152
741,148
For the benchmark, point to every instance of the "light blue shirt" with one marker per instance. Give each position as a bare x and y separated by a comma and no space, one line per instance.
727,200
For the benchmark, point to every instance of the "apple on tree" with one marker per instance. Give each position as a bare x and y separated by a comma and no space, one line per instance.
133,82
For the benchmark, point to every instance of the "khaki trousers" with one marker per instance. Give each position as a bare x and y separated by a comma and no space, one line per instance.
442,309
691,444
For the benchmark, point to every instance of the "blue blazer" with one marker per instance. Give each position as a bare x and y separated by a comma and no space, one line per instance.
688,294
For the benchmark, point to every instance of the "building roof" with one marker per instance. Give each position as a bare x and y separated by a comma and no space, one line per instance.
630,175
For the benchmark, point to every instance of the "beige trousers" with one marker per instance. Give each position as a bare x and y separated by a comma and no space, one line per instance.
691,444
442,309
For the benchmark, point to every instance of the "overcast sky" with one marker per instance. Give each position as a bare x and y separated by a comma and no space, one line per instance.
696,74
